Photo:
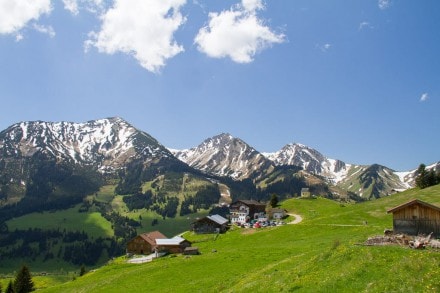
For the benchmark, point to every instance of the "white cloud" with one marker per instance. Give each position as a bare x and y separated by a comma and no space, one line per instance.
15,14
143,29
236,33
45,29
384,4
19,37
74,6
252,5
424,97
365,25
324,48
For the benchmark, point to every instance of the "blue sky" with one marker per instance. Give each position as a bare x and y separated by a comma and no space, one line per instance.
357,80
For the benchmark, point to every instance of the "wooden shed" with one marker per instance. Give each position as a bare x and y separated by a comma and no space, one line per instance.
210,224
176,244
416,217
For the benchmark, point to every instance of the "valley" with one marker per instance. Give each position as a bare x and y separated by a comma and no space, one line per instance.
325,252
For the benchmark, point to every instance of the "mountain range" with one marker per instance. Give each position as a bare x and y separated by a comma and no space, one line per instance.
225,155
115,149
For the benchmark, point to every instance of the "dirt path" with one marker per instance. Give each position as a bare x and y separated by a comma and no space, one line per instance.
298,219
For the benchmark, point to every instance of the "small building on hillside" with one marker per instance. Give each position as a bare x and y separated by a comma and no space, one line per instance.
176,244
191,251
144,243
277,214
305,192
416,217
243,211
210,224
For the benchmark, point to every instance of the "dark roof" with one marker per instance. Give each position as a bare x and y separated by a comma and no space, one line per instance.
152,236
249,202
413,202
278,210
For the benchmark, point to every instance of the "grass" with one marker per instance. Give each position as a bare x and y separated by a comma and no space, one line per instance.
71,220
321,254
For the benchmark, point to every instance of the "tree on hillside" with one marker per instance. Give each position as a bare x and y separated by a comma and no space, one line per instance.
10,288
274,200
421,181
23,281
426,178
82,271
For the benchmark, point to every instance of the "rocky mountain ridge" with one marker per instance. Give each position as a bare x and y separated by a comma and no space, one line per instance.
225,155
214,156
113,144
108,143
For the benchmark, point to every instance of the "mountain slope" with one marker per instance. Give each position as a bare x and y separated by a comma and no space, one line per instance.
225,155
108,144
362,181
310,160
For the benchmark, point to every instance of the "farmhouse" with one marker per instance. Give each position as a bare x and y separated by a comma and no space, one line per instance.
277,214
243,211
176,244
416,217
305,192
144,243
210,224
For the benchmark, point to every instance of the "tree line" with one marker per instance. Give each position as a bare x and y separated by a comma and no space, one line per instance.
71,246
426,178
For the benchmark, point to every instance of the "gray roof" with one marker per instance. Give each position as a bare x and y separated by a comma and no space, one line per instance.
218,219
173,241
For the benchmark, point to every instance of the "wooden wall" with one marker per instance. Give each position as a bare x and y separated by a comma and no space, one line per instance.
417,219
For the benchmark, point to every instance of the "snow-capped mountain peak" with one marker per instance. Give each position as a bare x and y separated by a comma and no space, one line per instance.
107,143
224,155
310,160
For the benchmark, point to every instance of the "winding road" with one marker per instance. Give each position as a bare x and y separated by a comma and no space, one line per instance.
298,219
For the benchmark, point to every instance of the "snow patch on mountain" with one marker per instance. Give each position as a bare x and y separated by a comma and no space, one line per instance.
224,155
108,143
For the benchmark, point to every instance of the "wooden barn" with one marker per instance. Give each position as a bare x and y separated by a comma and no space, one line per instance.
416,217
144,243
210,224
174,245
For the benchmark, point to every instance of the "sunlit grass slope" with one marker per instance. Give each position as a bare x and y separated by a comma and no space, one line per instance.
324,253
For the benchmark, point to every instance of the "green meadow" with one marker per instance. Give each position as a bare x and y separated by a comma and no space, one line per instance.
323,253
91,223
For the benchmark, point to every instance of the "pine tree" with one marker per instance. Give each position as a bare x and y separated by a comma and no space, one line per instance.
10,288
23,281
82,271
274,200
421,179
426,178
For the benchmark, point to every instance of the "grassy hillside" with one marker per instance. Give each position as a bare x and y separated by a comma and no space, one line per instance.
91,223
324,253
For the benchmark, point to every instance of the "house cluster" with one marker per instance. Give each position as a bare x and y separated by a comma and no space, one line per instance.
241,212
412,218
